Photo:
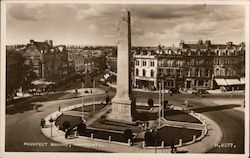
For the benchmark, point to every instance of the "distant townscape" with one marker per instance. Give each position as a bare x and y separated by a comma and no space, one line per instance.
201,65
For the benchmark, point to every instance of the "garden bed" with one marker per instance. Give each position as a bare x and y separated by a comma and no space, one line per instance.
73,120
174,134
177,115
104,135
90,108
112,125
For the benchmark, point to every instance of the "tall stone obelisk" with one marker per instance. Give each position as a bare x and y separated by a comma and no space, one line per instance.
121,103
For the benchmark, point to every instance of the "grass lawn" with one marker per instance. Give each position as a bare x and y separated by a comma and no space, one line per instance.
177,115
112,125
168,134
74,120
146,116
89,108
141,107
102,134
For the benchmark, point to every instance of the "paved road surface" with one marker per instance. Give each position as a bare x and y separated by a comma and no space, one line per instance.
24,127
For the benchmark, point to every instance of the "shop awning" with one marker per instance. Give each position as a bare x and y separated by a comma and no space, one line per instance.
221,82
41,82
233,82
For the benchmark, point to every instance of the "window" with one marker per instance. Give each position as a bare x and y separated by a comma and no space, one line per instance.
137,62
198,72
152,63
152,73
192,62
217,72
200,83
144,63
35,68
137,72
143,72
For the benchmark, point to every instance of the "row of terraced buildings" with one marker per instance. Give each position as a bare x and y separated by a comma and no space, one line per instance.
189,66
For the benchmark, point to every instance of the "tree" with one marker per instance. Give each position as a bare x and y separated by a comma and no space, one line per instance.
81,128
128,134
150,103
66,125
17,73
148,137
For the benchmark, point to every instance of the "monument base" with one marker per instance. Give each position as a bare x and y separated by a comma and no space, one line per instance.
121,111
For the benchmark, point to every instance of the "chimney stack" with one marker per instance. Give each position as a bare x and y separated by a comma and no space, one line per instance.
50,43
208,43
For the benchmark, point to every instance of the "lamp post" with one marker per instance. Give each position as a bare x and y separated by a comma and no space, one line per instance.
51,120
94,94
163,91
155,136
82,99
159,111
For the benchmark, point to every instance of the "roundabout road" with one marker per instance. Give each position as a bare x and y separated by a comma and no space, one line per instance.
230,121
25,127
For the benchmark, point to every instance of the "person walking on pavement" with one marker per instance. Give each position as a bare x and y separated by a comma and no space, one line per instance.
173,148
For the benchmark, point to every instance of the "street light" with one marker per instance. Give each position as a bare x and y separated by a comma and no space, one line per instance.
163,91
94,94
51,120
159,111
82,99
155,136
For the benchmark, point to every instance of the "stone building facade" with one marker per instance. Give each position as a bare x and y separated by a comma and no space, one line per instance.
145,68
35,53
200,65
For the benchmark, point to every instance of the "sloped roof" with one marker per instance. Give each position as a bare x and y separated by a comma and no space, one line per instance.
195,46
42,46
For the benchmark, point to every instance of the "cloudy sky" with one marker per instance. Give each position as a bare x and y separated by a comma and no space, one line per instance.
95,24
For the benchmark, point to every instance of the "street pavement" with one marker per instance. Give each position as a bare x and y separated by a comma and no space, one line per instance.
25,127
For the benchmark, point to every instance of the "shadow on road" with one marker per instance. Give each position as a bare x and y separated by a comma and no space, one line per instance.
215,108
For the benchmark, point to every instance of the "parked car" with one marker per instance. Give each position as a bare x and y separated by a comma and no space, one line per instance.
200,91
173,90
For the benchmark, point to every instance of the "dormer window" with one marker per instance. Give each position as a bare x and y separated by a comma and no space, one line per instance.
169,51
198,52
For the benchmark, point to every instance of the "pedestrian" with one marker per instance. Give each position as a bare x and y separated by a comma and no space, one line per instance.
44,123
143,126
173,148
66,133
76,92
140,127
36,108
107,99
41,123
147,125
186,103
59,108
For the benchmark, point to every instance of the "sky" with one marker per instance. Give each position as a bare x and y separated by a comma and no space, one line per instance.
96,24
